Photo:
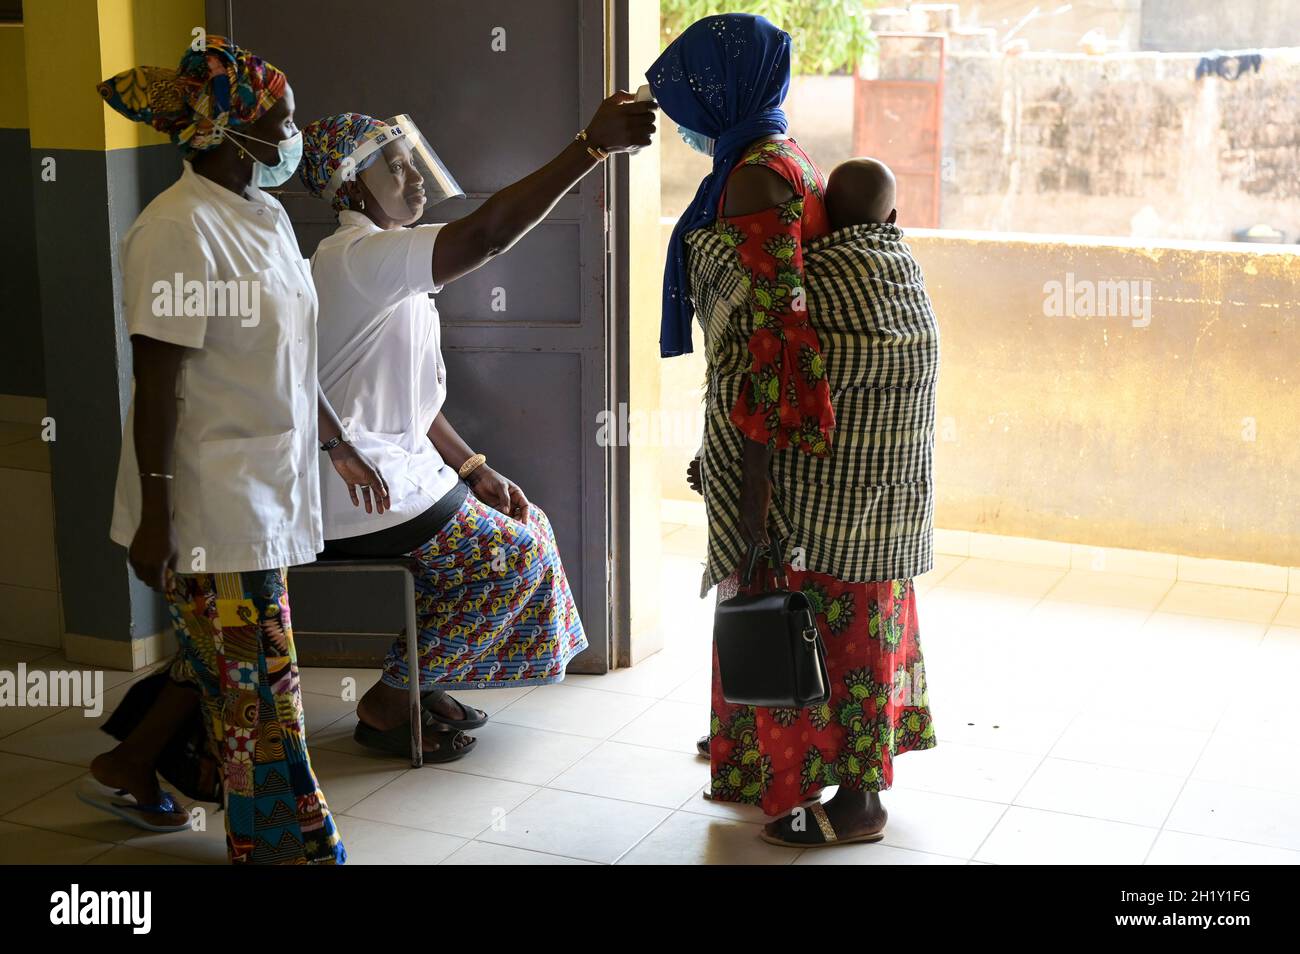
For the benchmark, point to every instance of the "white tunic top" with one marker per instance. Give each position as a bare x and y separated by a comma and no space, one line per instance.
222,275
381,365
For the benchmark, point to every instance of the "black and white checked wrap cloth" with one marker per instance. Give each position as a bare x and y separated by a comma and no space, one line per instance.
866,512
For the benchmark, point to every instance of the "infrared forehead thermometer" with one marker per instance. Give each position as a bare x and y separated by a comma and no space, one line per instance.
643,95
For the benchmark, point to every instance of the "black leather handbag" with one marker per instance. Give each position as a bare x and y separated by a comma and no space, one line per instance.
769,650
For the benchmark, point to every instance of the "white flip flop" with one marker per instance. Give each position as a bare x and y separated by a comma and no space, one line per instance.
121,804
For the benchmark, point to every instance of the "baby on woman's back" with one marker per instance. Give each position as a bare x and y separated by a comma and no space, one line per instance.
861,192
865,287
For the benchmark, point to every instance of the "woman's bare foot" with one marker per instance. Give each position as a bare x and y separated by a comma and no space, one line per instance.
119,771
449,708
854,815
440,704
384,708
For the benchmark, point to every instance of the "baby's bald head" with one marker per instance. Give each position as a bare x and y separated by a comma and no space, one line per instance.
860,192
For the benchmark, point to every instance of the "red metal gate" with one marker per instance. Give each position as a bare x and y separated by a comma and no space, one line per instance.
898,118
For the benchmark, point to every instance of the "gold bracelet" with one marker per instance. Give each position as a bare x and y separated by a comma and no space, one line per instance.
594,151
471,465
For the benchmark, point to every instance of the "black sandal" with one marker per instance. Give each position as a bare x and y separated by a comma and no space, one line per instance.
431,698
826,834
397,741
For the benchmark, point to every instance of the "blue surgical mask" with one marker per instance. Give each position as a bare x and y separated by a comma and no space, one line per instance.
697,141
290,150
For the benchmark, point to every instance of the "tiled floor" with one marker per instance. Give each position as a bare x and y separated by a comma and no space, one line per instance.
1083,718
29,576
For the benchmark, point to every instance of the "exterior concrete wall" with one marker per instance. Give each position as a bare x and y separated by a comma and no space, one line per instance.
1169,25
1118,19
1214,25
1124,144
1178,436
1175,437
1121,145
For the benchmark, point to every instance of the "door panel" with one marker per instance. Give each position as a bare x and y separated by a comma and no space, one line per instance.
535,282
525,338
509,382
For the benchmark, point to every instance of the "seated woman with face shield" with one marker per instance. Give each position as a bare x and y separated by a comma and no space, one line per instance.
495,609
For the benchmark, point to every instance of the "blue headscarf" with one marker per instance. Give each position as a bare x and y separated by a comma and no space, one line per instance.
724,77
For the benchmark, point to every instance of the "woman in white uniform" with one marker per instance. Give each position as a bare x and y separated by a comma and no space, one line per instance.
218,488
494,605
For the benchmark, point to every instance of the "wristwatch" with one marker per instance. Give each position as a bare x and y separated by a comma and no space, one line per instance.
332,443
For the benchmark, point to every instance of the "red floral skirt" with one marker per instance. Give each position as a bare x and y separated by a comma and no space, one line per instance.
879,708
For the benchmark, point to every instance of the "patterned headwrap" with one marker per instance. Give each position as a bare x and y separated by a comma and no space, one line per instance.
326,143
221,85
725,77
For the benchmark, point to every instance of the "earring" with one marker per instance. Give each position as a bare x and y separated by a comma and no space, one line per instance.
361,204
239,149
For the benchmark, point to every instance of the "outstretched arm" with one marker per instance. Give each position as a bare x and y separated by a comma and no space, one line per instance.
466,244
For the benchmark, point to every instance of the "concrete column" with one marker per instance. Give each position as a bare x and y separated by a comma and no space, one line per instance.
92,172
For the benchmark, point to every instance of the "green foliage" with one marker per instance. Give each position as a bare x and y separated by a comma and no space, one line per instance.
830,36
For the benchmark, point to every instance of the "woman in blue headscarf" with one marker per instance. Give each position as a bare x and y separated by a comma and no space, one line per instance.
768,405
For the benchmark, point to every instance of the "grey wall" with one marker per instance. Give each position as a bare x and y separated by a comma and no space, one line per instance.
80,220
22,364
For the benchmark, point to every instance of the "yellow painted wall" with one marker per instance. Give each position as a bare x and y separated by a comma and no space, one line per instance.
71,45
63,66
142,33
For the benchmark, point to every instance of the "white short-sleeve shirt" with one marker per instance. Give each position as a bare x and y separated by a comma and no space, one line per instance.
381,364
221,275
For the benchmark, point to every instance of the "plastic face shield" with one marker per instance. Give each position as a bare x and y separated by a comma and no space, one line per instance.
399,169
